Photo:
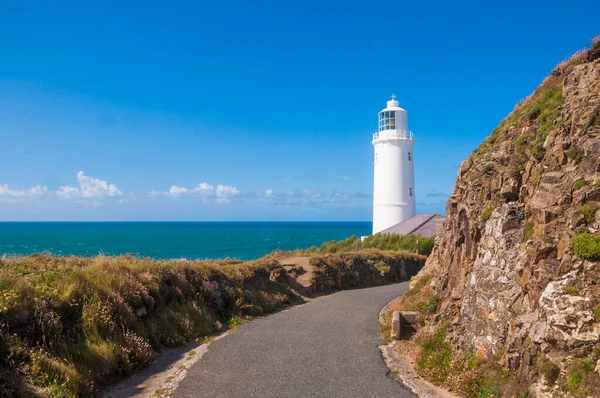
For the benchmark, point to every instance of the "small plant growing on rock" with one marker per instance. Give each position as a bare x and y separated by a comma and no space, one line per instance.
435,355
572,291
573,154
433,303
596,312
587,246
574,380
549,371
580,184
487,213
528,231
589,212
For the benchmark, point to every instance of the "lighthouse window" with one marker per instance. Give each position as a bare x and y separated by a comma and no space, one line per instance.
410,191
387,120
409,157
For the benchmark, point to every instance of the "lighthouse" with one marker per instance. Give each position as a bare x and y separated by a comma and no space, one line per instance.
394,175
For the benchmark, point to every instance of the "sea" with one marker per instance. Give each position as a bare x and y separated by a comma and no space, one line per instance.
169,240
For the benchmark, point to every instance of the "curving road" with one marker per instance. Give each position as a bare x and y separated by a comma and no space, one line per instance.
326,348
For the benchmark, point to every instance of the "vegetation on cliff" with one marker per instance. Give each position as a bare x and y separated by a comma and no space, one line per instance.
69,325
410,242
516,269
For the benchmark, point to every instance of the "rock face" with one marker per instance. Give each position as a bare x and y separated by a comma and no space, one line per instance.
505,267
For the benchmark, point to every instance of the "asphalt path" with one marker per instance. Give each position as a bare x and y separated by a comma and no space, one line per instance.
325,348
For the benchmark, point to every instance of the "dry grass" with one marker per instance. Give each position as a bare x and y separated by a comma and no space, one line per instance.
70,325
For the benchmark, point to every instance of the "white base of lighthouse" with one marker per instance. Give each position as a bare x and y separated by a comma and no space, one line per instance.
385,216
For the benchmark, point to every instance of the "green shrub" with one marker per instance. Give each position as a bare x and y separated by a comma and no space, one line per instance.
579,184
586,365
409,242
433,303
574,154
596,311
487,213
572,291
548,370
589,212
528,231
587,246
350,244
489,167
574,380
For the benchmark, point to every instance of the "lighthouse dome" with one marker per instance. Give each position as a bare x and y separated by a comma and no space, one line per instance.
393,104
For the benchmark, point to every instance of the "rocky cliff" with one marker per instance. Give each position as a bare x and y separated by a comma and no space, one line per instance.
517,268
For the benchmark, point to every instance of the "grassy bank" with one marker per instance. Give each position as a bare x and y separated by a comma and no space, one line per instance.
410,242
70,325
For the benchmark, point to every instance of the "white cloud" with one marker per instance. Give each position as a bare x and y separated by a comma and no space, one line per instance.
176,191
37,190
225,193
311,193
204,190
89,187
8,195
222,194
68,192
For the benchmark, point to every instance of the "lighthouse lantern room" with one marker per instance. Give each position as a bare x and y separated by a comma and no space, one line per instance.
394,177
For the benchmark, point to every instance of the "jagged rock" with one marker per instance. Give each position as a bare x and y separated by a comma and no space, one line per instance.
512,283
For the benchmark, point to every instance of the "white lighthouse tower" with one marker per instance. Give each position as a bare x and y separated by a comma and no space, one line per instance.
394,180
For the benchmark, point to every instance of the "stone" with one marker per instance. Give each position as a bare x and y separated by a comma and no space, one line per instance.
513,283
409,318
396,329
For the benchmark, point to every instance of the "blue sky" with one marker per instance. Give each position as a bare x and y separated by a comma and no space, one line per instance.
261,110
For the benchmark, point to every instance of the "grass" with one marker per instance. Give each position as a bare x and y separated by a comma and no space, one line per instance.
369,267
589,212
587,246
435,356
596,312
548,370
420,299
487,213
582,378
572,291
573,154
580,184
463,372
409,242
528,231
70,325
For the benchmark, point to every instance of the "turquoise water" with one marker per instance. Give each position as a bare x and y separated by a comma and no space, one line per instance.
192,240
